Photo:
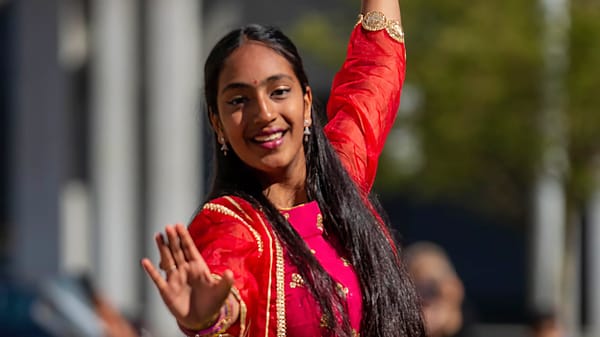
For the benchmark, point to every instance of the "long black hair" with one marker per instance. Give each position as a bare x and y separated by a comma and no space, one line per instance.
390,305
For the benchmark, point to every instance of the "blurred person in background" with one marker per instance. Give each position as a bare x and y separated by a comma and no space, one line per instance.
289,243
441,290
546,324
114,323
69,305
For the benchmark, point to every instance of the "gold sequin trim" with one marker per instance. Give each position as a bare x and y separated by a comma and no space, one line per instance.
280,285
297,281
226,211
345,262
320,222
286,216
313,251
243,310
375,20
268,304
280,275
355,333
239,208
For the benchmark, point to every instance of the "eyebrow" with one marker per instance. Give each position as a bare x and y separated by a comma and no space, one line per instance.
273,78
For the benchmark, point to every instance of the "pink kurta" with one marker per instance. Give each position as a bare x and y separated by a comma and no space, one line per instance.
302,309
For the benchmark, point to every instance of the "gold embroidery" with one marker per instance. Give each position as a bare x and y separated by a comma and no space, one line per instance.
226,211
375,20
280,274
324,322
297,281
243,309
222,209
267,309
292,207
286,216
345,262
394,29
355,333
342,290
313,251
320,222
237,205
280,271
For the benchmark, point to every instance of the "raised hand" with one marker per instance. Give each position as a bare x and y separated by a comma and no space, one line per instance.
189,290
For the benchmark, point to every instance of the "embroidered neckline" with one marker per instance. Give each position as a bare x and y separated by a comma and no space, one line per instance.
284,209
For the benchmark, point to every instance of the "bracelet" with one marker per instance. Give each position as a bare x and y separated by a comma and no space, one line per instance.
375,20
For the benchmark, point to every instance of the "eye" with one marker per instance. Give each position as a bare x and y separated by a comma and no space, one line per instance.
237,100
280,92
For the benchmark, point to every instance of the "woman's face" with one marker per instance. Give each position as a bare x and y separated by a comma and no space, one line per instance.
262,111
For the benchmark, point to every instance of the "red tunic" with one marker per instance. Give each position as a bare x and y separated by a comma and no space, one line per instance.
231,234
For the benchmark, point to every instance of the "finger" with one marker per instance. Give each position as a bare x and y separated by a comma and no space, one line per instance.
227,277
187,244
167,262
175,246
192,254
223,286
154,274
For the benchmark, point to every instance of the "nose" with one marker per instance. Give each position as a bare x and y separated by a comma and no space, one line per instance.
264,112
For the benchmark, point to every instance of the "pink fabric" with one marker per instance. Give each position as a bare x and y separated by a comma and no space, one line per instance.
303,313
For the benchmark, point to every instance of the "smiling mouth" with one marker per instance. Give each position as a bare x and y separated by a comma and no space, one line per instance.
268,138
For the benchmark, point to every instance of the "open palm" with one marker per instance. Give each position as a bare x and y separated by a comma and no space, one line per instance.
192,294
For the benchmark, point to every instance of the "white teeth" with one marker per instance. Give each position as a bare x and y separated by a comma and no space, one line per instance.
268,138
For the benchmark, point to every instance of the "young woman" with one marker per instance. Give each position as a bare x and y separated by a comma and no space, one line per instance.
289,243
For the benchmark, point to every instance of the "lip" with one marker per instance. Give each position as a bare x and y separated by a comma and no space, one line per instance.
270,138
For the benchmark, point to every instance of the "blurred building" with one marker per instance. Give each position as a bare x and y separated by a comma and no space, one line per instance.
101,117
102,142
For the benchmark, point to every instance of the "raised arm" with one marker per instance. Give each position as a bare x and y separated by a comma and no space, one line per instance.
391,8
365,93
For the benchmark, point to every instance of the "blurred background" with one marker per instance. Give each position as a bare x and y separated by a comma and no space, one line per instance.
494,158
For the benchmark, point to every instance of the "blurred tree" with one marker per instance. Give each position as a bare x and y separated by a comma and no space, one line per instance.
584,102
476,69
469,128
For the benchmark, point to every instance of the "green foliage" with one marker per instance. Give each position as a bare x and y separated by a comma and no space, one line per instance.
478,69
321,39
584,101
478,66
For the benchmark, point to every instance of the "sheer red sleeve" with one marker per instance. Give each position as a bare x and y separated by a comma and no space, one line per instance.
364,101
227,242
